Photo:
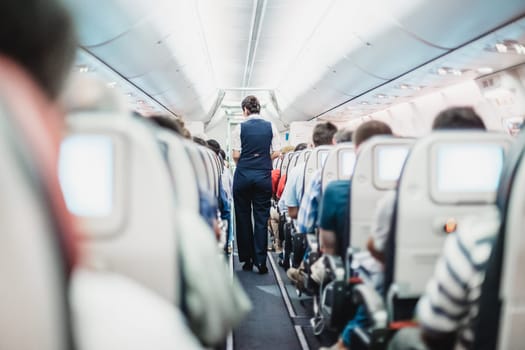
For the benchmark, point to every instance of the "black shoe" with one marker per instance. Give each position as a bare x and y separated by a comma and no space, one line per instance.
262,269
284,265
248,266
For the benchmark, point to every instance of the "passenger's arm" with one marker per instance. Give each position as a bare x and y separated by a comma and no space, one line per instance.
275,154
292,212
378,255
328,241
236,155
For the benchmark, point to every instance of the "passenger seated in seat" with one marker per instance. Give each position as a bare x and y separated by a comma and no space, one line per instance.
452,118
447,309
309,219
281,179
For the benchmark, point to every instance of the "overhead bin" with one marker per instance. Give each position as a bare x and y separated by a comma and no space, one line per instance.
464,20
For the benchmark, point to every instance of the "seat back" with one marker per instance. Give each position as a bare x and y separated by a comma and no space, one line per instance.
315,161
34,261
182,172
447,177
502,293
199,167
376,171
339,164
116,182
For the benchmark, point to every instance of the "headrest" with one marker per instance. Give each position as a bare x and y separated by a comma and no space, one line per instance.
315,161
339,164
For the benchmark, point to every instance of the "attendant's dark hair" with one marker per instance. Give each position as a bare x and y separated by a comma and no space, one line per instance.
251,104
458,118
323,134
300,147
167,123
39,35
369,129
222,154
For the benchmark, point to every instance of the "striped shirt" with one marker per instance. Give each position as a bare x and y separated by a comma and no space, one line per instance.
450,303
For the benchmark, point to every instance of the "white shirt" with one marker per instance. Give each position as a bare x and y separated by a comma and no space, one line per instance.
236,136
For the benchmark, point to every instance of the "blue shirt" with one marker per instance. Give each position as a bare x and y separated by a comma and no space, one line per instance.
309,208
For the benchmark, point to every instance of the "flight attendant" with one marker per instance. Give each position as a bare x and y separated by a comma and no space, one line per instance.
255,143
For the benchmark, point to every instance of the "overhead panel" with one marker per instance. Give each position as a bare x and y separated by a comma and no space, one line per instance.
99,21
451,23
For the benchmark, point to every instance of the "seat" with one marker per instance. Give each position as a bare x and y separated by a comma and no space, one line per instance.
37,247
501,314
315,161
447,178
339,164
116,182
182,171
377,170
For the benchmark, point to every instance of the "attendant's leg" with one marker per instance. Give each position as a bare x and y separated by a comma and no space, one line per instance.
243,216
261,212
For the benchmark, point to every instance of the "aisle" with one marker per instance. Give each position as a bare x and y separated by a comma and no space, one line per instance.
278,321
268,326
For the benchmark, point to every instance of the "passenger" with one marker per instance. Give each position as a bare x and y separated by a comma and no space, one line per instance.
449,119
450,304
311,210
200,141
224,197
309,205
255,143
274,213
335,206
282,177
168,123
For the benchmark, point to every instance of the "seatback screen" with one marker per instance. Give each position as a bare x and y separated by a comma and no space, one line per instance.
389,161
86,173
468,167
346,163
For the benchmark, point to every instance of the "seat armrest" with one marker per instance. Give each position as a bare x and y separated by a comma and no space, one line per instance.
335,265
373,303
311,241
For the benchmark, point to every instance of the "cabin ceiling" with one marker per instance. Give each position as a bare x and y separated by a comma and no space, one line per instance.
303,57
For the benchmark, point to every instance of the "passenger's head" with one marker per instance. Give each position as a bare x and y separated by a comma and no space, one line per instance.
39,35
300,147
323,134
369,129
214,146
458,118
167,123
200,141
222,154
287,149
250,105
343,135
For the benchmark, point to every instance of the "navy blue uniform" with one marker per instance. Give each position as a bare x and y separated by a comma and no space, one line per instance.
252,189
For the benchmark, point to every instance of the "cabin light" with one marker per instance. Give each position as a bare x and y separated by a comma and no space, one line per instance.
416,88
141,102
380,96
508,46
501,48
112,84
403,86
129,94
363,102
449,71
484,70
442,71
83,68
